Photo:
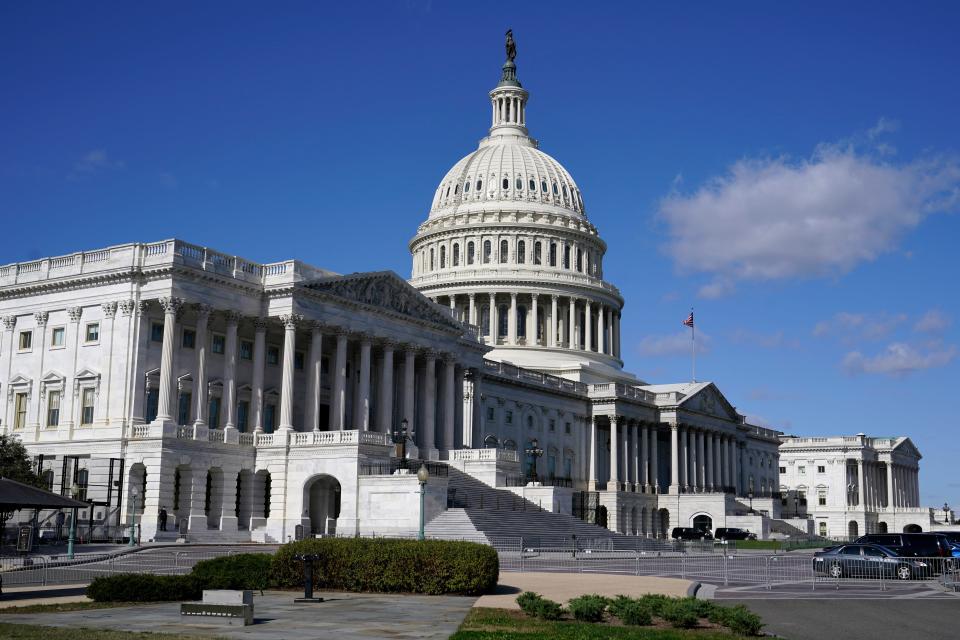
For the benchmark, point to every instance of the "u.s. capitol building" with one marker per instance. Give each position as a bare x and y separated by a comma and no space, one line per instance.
246,399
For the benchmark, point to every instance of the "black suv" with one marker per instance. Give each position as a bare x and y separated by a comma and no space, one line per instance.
689,533
916,545
733,533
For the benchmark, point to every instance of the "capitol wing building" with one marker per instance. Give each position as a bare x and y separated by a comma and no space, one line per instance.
260,402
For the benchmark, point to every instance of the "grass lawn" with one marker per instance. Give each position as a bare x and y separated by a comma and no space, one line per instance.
30,632
67,606
506,624
758,544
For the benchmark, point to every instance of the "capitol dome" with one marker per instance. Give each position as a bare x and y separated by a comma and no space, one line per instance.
508,247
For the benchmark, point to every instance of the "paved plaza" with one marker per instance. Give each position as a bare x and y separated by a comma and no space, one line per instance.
346,616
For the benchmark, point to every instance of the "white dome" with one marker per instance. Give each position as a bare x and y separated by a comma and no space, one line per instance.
507,169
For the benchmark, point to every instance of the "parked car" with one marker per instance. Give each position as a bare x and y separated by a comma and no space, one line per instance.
733,533
916,545
690,533
868,561
953,537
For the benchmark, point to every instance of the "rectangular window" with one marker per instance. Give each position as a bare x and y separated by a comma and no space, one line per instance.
821,468
58,337
219,344
26,340
20,411
298,360
53,408
269,417
566,428
273,355
189,339
153,401
490,415
509,418
213,413
246,350
822,499
553,425
156,332
92,332
183,409
86,406
783,469
243,412
823,528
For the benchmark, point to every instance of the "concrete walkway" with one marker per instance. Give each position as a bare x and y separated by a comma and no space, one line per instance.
345,616
563,586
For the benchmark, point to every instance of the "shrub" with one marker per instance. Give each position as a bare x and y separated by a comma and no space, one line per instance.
738,619
241,571
144,587
528,602
635,613
588,608
680,613
434,567
655,602
533,604
703,608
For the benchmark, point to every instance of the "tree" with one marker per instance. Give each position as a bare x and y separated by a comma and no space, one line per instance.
15,464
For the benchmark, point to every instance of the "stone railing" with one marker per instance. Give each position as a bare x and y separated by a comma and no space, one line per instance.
499,272
331,438
139,431
214,435
246,439
185,433
484,455
620,390
535,377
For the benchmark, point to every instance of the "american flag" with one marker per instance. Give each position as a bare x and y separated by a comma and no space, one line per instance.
689,321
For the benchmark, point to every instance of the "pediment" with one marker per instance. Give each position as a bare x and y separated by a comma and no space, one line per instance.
906,446
53,377
86,374
710,401
20,380
385,290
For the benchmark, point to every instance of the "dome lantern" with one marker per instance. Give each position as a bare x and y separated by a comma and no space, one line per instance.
509,98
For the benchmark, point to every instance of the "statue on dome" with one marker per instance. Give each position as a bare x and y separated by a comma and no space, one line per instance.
511,46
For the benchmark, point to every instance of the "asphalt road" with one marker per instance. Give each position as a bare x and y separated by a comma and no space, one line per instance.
859,619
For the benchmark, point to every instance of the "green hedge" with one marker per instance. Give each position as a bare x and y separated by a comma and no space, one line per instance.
240,571
144,587
382,565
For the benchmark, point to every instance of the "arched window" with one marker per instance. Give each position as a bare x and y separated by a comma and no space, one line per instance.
555,189
564,192
533,185
553,254
579,260
485,321
443,257
504,251
537,252
466,185
456,189
543,186
566,257
479,184
503,320
448,192
519,184
456,255
521,321
521,252
506,184
470,252
431,258
487,251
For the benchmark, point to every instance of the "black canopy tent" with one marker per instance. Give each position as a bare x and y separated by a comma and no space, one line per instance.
16,495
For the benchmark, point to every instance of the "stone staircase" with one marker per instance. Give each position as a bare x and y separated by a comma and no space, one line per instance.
486,513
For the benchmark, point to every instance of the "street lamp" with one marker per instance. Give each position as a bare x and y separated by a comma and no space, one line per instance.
133,519
946,513
533,451
422,476
400,436
750,495
74,492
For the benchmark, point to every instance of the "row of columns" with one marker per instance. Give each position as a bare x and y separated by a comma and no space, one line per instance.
885,485
509,110
562,321
704,460
434,364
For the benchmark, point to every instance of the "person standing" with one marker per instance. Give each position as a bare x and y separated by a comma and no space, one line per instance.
60,519
163,518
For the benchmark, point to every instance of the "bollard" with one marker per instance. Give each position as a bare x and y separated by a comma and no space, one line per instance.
307,559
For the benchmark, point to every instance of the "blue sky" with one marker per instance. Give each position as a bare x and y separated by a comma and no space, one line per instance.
791,171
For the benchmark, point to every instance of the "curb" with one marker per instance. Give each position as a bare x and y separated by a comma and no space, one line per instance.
693,589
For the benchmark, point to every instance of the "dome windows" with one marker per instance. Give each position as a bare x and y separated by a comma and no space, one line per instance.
456,189
487,251
470,252
443,257
479,184
504,251
555,192
521,252
564,192
553,254
456,254
537,252
543,186
448,192
466,186
519,184
533,184
506,183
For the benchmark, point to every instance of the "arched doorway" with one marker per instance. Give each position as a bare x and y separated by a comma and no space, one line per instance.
663,526
633,521
213,506
644,530
703,522
602,516
913,528
853,529
322,504
881,527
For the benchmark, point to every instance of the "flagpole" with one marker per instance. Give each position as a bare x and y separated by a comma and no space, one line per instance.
693,346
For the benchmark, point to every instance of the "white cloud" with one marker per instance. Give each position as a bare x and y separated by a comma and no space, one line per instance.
859,326
779,218
933,321
92,162
674,344
900,359
718,288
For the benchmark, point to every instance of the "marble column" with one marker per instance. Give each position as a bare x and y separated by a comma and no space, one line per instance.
725,461
601,333
534,313
164,405
472,308
708,461
314,378
635,453
429,441
228,504
512,320
571,324
553,320
409,377
230,370
200,377
362,412
644,455
385,401
614,454
674,460
448,395
683,461
860,484
290,322
593,454
494,321
587,326
259,350
701,463
338,398
655,458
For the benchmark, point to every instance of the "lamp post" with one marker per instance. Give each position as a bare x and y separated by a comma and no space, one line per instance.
400,436
133,519
946,513
533,451
422,476
74,492
750,496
